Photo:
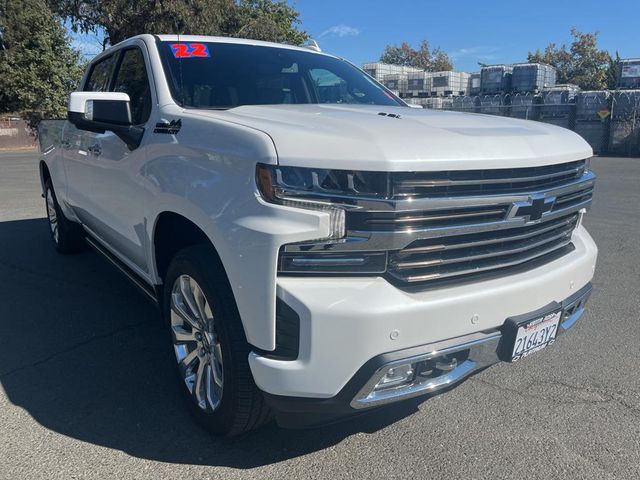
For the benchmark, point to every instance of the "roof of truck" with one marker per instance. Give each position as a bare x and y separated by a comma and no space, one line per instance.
239,41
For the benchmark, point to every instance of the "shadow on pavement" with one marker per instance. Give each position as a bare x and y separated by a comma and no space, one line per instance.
84,354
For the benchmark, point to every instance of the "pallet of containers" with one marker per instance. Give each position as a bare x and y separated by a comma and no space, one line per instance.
629,73
558,105
445,84
418,84
532,77
493,104
474,84
593,109
396,82
625,123
495,79
525,105
378,70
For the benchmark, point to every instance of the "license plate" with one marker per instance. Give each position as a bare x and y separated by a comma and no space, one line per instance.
535,335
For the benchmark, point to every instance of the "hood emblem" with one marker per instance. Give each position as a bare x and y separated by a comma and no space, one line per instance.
532,209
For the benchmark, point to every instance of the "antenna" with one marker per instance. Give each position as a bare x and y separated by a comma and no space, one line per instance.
311,44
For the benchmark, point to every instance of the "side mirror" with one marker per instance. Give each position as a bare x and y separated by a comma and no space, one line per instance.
101,111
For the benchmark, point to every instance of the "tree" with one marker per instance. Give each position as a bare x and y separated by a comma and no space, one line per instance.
121,19
38,68
435,60
613,70
582,63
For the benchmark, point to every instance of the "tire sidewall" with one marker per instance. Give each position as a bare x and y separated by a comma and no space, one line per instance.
49,188
201,266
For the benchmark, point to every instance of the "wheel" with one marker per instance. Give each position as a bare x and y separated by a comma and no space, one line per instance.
67,236
209,345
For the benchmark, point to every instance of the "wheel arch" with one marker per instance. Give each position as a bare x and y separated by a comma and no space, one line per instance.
165,242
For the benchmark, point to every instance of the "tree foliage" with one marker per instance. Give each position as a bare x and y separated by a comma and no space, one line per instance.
38,68
581,63
423,57
120,19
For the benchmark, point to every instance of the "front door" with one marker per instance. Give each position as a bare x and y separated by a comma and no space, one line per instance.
102,171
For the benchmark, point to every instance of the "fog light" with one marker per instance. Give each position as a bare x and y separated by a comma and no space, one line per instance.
397,375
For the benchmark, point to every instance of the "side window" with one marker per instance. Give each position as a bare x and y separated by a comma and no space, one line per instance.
132,80
100,75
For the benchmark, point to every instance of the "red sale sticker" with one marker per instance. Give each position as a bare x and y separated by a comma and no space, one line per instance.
190,50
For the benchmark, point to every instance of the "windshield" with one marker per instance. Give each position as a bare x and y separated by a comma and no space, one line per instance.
226,75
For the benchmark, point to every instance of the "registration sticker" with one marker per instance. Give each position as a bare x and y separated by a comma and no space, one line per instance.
190,50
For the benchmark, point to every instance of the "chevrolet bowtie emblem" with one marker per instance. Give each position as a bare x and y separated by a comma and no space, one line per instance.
532,209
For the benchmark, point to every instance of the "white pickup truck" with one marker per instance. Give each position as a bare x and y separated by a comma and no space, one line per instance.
317,248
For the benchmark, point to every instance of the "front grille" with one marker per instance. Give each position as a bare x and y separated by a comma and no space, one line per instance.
452,226
470,254
484,182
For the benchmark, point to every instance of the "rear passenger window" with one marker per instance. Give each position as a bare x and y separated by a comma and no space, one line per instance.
132,80
100,75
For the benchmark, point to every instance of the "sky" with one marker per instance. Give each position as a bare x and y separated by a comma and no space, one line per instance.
469,31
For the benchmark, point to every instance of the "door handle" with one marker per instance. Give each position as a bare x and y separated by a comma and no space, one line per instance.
95,149
65,143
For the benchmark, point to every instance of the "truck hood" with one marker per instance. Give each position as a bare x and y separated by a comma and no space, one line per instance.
399,138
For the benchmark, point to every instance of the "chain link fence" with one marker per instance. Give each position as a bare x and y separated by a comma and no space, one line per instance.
15,134
608,120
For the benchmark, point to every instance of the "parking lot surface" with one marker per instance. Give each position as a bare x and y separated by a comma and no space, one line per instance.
86,389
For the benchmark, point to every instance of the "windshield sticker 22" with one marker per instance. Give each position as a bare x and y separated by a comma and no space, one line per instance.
190,50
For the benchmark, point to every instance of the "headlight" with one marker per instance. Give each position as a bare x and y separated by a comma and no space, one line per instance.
330,191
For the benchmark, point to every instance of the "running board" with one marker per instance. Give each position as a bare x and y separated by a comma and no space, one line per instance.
149,291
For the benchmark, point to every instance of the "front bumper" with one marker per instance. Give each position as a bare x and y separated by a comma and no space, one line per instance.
480,351
348,326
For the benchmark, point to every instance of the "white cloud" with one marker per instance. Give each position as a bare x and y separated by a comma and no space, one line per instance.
340,31
478,52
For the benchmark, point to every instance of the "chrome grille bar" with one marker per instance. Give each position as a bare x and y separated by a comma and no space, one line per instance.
509,180
520,259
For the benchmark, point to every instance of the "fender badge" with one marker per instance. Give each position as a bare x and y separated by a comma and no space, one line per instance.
172,127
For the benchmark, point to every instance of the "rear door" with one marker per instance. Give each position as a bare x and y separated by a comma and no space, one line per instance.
104,184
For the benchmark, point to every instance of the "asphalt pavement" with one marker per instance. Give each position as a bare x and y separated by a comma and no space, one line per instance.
86,389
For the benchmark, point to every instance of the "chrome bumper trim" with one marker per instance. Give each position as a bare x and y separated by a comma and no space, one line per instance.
483,352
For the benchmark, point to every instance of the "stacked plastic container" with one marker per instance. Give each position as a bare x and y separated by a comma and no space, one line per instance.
397,82
495,79
532,77
378,70
418,84
474,84
629,73
444,84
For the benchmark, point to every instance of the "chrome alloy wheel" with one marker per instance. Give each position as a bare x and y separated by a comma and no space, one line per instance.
196,344
52,215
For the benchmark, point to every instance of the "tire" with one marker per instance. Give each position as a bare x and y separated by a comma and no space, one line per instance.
67,236
216,381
